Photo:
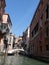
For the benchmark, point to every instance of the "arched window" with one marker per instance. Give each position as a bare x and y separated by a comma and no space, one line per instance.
47,12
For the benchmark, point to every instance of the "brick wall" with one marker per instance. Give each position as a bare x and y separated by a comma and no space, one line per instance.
37,39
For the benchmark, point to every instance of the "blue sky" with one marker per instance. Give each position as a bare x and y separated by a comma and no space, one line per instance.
21,13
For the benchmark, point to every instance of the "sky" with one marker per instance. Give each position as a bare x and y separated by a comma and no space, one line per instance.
21,13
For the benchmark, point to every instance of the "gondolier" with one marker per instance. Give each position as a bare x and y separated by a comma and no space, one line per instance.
5,43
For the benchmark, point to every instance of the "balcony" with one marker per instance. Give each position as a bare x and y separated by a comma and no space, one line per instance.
5,24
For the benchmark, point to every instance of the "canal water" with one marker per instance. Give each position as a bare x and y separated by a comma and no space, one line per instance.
19,60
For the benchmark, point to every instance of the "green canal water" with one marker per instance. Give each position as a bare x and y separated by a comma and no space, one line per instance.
19,60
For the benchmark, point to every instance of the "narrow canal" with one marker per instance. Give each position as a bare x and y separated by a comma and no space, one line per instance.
19,60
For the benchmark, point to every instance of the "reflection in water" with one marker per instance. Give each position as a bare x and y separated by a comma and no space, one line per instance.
2,60
19,60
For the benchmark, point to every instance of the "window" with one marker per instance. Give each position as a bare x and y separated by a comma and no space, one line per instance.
47,47
41,48
41,34
0,5
35,30
0,17
32,34
10,40
47,12
5,26
47,31
41,1
3,0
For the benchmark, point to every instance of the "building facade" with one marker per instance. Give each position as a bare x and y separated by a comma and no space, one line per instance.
39,30
19,41
2,11
5,22
2,7
26,39
11,41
